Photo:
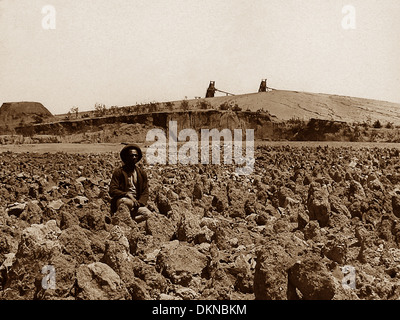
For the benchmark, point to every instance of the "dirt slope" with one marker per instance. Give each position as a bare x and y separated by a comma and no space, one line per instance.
287,105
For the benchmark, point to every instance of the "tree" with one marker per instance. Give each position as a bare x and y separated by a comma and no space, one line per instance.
100,109
75,110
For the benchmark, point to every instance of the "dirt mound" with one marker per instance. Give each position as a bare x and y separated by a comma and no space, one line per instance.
286,105
16,113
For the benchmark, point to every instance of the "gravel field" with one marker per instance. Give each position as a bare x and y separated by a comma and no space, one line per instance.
312,221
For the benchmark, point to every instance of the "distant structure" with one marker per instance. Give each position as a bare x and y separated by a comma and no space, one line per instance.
211,90
263,86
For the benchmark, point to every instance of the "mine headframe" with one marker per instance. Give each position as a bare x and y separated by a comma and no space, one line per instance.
263,86
211,90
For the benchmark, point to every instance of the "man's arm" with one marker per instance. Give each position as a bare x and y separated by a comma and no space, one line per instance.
115,189
144,196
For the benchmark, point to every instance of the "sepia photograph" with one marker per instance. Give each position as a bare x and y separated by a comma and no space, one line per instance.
202,157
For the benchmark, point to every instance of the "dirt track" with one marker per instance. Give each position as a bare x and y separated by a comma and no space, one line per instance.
115,147
62,147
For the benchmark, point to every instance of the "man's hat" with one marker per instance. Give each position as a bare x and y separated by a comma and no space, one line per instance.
128,147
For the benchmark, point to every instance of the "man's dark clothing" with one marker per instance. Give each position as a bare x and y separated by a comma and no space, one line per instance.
119,186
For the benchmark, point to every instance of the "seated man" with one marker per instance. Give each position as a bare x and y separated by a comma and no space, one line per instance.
129,183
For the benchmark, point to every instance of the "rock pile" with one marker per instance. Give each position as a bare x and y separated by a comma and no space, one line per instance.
291,230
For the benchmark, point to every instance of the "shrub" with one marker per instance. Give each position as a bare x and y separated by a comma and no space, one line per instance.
169,106
389,125
224,106
185,105
377,124
236,108
153,107
203,105
114,110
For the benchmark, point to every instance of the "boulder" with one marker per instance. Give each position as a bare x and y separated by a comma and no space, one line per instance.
33,213
336,249
40,251
189,227
163,204
318,204
180,262
93,219
76,243
270,276
160,227
98,281
312,279
396,205
338,206
302,219
156,284
356,190
55,204
118,257
79,201
197,191
123,217
16,208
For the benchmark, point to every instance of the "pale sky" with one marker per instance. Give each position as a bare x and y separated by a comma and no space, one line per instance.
124,52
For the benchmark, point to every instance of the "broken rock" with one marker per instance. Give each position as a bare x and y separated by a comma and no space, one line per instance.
312,279
16,209
180,262
97,281
55,204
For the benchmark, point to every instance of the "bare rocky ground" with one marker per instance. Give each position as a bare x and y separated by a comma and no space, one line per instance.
284,232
